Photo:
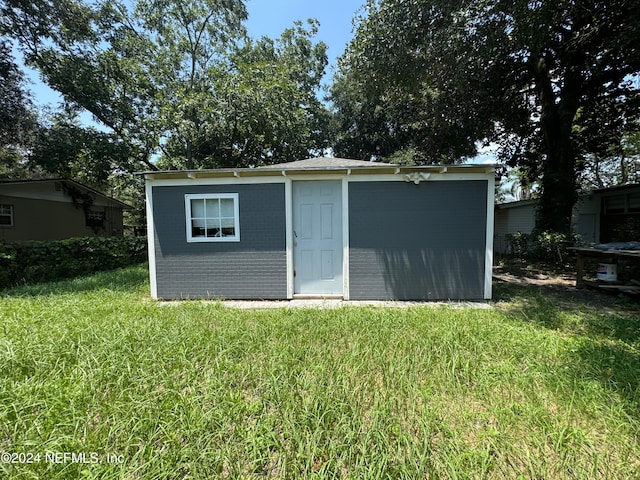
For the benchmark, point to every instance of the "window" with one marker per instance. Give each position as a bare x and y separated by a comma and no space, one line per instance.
622,203
95,218
212,217
6,215
615,204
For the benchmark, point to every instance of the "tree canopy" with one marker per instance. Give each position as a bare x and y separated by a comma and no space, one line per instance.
261,108
174,84
439,77
17,119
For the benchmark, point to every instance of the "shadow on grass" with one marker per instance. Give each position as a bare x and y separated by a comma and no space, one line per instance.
125,280
605,328
583,312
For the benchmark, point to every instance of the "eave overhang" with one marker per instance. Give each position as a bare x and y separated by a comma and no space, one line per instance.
338,171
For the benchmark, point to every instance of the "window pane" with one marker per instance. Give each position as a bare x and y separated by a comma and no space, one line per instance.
197,208
94,218
213,230
634,202
615,204
227,221
198,228
213,208
5,220
226,207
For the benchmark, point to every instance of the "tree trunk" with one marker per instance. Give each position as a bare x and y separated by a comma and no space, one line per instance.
559,192
558,187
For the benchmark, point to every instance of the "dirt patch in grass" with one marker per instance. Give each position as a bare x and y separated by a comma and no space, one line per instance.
515,277
533,277
519,271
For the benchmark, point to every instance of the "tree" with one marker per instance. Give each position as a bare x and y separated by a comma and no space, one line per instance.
17,117
619,165
177,83
518,73
262,108
67,149
136,67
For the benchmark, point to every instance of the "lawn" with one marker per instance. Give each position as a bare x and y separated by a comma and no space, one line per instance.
98,381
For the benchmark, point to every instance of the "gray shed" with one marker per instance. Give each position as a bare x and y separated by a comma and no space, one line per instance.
323,227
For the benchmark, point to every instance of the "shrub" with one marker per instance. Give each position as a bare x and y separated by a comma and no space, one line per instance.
548,246
37,261
551,245
518,243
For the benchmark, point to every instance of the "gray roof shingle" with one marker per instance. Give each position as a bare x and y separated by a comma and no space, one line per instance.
324,162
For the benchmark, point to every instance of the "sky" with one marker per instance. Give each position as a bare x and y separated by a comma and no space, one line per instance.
270,18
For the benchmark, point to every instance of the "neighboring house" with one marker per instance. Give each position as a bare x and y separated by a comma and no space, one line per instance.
55,209
510,218
322,227
617,206
596,215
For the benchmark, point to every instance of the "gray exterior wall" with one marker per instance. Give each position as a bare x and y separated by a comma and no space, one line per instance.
255,267
417,242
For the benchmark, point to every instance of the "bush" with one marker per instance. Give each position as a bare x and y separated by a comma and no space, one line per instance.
518,243
538,245
32,262
552,246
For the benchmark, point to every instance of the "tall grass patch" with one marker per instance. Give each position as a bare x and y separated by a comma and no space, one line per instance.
197,390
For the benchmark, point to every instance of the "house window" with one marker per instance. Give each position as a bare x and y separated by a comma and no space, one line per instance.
212,217
622,203
95,218
6,215
615,204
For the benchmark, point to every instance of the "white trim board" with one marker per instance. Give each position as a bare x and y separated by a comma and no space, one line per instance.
488,261
288,213
183,182
345,238
151,240
385,177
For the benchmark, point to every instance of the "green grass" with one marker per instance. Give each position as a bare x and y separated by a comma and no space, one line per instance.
541,386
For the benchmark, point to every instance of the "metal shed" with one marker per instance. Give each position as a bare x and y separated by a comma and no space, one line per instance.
322,227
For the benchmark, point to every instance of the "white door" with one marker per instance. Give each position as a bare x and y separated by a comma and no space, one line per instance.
317,237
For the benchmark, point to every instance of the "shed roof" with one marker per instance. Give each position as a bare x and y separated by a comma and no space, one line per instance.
325,162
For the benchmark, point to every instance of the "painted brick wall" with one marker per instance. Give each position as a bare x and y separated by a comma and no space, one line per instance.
417,242
255,267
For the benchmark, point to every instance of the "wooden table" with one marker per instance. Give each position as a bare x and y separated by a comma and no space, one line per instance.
609,256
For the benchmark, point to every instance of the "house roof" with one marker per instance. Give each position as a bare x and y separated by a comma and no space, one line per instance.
617,188
110,200
318,165
517,203
614,189
324,162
